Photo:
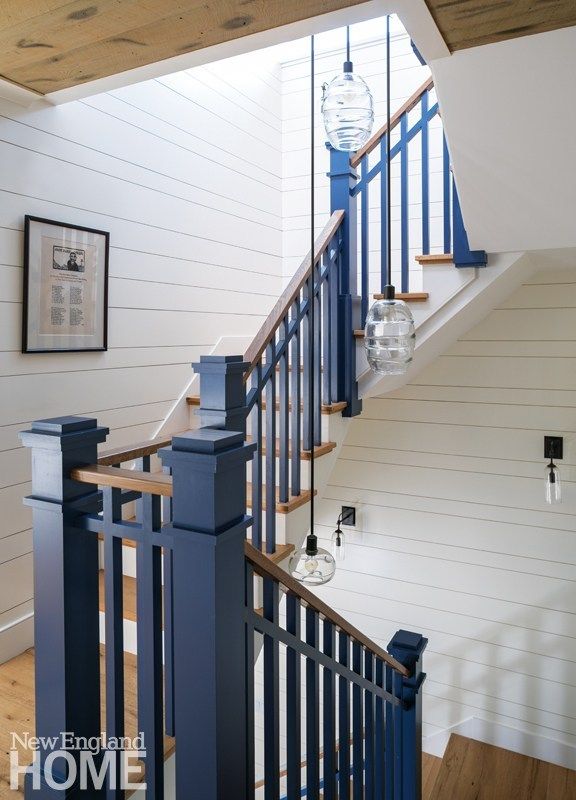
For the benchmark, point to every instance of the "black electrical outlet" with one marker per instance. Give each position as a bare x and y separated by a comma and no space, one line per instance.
554,447
348,515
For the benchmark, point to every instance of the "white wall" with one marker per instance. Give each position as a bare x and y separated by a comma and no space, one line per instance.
454,537
510,125
368,54
185,173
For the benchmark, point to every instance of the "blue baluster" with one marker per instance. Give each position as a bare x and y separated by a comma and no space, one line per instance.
425,177
369,754
271,696
149,636
446,182
312,709
114,631
283,416
365,242
329,715
384,200
295,412
257,461
357,727
270,487
293,701
404,208
344,772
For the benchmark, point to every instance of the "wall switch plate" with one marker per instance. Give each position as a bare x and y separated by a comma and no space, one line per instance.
348,515
554,447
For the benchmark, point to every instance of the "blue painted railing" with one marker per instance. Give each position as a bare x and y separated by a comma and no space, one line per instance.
195,582
366,183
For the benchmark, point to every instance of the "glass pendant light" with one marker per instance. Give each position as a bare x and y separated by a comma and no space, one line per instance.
311,564
389,335
553,485
338,543
347,107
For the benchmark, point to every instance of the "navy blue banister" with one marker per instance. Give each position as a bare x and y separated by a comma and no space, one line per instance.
416,230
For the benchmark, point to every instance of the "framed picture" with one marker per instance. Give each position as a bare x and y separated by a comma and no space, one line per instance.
65,288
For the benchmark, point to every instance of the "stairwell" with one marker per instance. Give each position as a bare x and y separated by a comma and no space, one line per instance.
269,407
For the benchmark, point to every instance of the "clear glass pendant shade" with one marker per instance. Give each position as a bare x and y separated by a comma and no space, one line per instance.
338,545
553,484
389,336
311,564
348,110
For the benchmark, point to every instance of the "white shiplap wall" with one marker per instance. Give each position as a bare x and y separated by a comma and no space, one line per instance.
185,173
454,537
369,62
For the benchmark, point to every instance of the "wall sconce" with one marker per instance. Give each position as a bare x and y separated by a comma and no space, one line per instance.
553,448
346,517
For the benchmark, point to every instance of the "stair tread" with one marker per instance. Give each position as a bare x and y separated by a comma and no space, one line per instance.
294,501
408,297
319,450
435,258
327,408
502,774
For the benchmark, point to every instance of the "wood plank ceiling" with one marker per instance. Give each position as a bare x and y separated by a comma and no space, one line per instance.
48,45
469,23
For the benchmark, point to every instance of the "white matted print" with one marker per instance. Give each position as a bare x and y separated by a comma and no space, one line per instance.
65,287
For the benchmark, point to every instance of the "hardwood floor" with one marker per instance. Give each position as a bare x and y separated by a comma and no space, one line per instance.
17,711
472,770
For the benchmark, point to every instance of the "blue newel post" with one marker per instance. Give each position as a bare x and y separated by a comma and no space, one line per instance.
404,723
342,180
208,533
222,392
66,612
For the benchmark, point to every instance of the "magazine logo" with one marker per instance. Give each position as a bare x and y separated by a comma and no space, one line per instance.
70,760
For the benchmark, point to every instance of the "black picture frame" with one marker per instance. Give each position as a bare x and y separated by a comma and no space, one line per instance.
29,221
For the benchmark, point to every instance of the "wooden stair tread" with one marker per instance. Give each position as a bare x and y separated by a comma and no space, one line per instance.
408,297
470,766
435,258
319,450
295,501
330,408
17,712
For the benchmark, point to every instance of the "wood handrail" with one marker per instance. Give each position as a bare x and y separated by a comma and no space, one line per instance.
117,455
266,569
374,140
275,317
135,480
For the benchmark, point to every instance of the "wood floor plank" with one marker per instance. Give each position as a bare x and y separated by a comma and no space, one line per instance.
473,770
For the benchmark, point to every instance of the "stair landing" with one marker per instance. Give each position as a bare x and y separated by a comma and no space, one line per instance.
473,770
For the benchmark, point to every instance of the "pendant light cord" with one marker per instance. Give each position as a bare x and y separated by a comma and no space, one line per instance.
388,159
312,281
347,43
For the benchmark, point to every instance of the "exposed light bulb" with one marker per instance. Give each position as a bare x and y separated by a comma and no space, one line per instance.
311,564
